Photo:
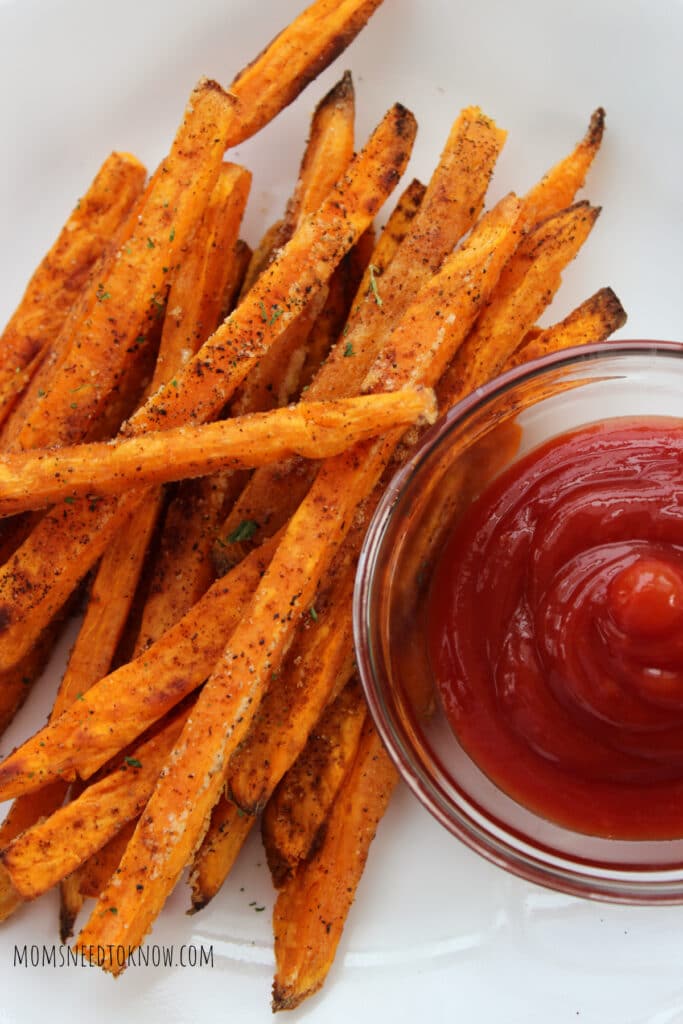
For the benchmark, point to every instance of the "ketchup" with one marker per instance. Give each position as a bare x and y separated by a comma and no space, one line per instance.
556,630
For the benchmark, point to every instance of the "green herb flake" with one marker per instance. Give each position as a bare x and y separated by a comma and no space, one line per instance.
245,531
313,613
172,235
79,696
150,243
133,762
174,383
69,501
264,311
41,393
348,350
73,405
102,294
373,284
259,909
276,313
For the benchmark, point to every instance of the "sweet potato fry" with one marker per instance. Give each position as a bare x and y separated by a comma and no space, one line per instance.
63,272
557,189
318,666
204,385
310,429
260,258
451,204
198,289
121,706
53,848
344,285
294,58
295,816
312,907
70,905
236,277
229,829
526,287
274,381
593,321
93,875
105,617
182,571
226,706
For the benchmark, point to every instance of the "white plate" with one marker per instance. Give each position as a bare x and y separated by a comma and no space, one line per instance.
436,933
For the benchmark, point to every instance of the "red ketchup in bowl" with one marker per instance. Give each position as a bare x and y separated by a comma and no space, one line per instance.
556,630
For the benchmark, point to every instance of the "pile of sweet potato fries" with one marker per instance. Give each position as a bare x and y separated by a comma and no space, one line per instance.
152,457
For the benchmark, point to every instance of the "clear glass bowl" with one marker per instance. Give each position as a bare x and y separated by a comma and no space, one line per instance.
474,442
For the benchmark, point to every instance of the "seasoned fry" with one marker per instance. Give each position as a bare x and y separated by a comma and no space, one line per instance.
16,682
137,694
205,384
182,570
310,429
451,204
318,666
557,189
294,58
274,381
344,285
593,321
526,287
92,876
105,617
312,906
236,277
260,258
229,829
63,272
198,289
53,848
70,905
294,820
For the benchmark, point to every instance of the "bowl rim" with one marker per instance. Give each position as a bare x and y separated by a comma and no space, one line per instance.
498,843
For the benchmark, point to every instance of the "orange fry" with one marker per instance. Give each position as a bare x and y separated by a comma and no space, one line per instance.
312,430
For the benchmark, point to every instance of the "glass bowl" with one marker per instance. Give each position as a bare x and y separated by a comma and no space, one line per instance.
472,444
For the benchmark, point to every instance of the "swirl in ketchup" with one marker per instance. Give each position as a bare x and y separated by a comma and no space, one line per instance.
556,630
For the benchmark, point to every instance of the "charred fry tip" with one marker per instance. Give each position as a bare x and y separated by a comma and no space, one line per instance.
343,90
615,308
210,85
67,920
284,999
406,122
198,904
596,127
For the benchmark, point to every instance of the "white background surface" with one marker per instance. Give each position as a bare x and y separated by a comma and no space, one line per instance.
436,933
